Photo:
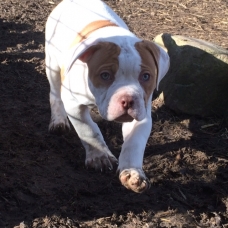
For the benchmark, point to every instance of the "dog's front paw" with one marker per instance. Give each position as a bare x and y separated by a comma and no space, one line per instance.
101,161
59,122
134,179
59,125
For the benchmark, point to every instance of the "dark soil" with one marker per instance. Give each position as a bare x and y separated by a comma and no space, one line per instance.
43,180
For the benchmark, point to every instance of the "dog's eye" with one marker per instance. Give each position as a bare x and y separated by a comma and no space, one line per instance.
145,77
105,75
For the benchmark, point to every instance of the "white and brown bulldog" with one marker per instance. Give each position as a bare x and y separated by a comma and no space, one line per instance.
92,59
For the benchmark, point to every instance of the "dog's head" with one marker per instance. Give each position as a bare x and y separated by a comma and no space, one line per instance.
123,77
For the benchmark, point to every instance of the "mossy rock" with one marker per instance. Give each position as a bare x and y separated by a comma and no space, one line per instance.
197,81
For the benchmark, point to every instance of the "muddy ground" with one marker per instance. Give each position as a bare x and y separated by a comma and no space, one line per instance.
43,180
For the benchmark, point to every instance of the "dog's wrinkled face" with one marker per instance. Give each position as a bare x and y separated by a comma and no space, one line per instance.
122,78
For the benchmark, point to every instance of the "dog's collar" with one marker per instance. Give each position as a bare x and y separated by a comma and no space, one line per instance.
90,28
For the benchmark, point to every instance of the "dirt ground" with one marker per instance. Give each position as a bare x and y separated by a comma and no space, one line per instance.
43,180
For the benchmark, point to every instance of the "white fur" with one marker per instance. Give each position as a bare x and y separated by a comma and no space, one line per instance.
76,94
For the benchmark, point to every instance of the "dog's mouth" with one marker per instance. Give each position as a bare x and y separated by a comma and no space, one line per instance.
124,118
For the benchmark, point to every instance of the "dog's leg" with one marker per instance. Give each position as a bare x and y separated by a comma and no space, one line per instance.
135,136
59,121
98,156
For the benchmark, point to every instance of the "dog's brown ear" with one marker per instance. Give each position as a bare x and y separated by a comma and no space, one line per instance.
85,56
161,58
80,51
108,48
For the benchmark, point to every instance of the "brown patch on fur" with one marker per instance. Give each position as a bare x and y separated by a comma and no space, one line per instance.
62,70
100,58
86,31
149,53
91,27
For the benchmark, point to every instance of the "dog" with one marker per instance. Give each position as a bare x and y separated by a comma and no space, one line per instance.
93,60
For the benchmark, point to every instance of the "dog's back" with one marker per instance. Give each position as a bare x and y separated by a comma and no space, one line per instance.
70,17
